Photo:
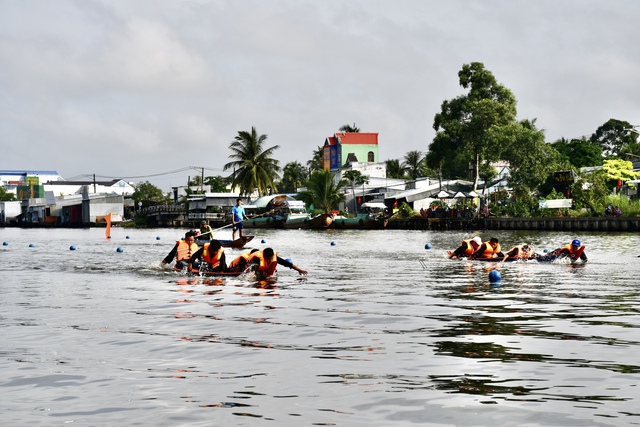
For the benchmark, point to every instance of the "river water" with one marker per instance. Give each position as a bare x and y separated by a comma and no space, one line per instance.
382,332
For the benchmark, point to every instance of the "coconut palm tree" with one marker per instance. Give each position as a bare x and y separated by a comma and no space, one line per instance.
394,169
414,164
253,167
355,178
293,175
349,128
322,192
316,163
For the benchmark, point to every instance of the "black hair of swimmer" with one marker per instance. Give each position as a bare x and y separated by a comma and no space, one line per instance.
494,240
215,244
268,252
190,233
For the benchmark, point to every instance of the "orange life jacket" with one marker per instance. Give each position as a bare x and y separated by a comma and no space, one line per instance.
469,248
211,258
185,250
265,267
572,249
490,251
520,252
236,262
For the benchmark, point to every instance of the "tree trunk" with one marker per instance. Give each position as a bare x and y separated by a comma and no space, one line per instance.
475,181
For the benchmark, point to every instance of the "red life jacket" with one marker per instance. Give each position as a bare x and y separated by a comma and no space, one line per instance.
185,250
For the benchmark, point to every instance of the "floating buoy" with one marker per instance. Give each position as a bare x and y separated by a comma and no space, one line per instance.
494,276
119,250
427,246
127,237
333,243
157,237
31,245
108,237
5,243
72,248
545,251
264,241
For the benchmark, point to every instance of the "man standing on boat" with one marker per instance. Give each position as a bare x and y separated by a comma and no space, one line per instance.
237,217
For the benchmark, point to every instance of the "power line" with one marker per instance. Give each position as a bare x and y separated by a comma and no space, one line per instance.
184,169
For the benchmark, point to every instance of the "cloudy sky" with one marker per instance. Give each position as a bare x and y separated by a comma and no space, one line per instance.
141,89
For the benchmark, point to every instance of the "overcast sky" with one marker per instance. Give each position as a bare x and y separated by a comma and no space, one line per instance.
140,88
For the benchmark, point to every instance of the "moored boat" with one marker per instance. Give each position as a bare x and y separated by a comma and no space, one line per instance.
371,217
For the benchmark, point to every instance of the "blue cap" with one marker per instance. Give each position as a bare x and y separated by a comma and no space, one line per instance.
576,242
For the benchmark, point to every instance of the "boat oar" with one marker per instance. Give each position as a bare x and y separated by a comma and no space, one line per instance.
216,229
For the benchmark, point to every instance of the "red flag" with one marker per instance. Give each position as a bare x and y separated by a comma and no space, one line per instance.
107,231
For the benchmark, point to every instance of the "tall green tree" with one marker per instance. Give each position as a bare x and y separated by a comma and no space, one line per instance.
463,124
349,128
531,159
316,163
355,179
6,196
414,164
395,169
217,184
616,171
148,194
253,165
322,192
579,152
613,135
293,176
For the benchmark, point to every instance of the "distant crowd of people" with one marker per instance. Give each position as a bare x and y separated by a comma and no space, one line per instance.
612,211
448,212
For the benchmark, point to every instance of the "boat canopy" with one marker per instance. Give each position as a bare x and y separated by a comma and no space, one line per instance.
295,204
273,201
378,205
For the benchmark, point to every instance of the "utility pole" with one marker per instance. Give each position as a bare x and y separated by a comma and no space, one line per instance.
94,183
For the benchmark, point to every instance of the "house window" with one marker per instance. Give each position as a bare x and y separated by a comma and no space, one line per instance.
370,157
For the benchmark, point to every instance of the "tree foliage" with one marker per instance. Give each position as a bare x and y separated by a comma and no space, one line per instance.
6,196
253,167
463,124
148,194
414,164
615,170
395,169
322,192
316,163
293,177
613,135
579,152
349,128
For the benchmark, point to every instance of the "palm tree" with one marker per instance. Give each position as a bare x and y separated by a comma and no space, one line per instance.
316,163
253,167
355,178
349,128
293,175
414,163
394,169
322,192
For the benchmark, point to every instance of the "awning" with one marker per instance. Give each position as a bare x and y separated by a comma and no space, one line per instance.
459,195
377,205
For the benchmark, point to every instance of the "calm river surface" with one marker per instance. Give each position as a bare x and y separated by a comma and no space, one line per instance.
382,332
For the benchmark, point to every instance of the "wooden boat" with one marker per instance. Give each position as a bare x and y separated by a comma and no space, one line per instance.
237,243
372,216
308,222
361,221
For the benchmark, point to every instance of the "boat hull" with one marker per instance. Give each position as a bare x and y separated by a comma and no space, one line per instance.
361,222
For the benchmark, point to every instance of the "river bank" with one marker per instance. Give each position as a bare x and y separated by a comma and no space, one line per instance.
622,224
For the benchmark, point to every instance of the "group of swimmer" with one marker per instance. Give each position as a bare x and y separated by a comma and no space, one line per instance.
475,248
210,258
